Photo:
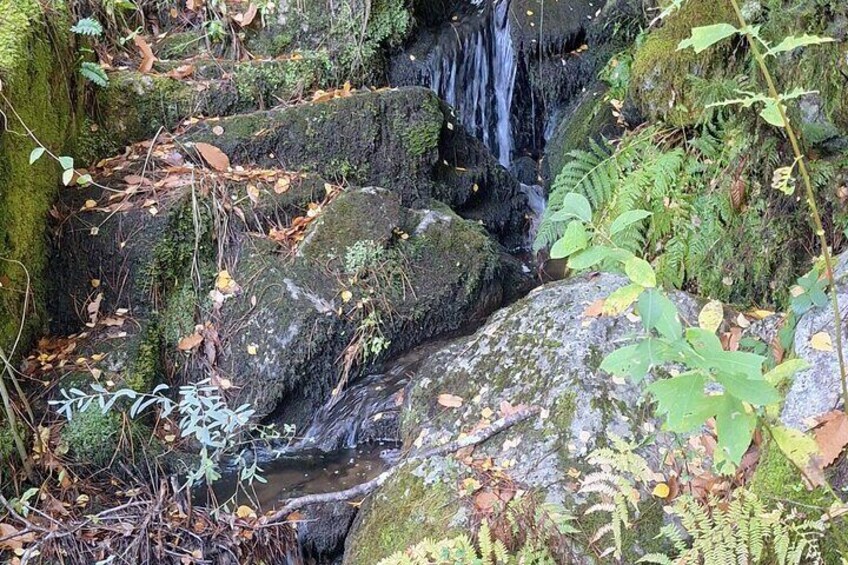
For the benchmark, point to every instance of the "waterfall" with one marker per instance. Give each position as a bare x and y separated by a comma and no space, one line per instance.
474,71
537,202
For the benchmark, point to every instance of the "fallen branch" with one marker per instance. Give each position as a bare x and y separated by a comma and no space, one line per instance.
476,438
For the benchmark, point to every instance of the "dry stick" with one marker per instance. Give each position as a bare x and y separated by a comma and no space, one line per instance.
366,488
811,197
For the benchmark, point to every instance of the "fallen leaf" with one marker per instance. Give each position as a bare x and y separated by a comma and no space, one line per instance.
450,400
821,342
147,56
595,309
190,342
832,436
245,512
247,18
485,501
13,539
181,72
216,158
252,349
347,296
711,316
662,490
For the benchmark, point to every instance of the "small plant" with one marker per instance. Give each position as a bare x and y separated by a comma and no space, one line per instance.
90,27
455,551
204,418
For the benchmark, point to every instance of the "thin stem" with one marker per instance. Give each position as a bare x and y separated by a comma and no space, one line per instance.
811,198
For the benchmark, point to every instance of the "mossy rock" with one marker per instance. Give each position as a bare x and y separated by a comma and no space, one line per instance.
403,139
37,64
93,438
429,511
540,351
289,326
660,87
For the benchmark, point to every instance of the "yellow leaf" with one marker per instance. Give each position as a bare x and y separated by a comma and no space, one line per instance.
89,204
347,296
95,283
711,316
252,349
661,491
487,413
821,342
245,512
225,283
450,400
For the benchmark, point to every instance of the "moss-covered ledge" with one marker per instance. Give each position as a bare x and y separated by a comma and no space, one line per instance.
40,86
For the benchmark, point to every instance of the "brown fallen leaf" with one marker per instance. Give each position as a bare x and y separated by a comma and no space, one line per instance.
247,18
181,72
216,158
595,309
11,541
147,56
486,501
831,436
190,342
450,400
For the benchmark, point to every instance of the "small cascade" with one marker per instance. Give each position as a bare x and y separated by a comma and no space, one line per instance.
536,202
474,71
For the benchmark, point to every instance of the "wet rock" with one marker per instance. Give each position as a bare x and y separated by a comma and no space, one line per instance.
542,351
323,530
404,140
371,278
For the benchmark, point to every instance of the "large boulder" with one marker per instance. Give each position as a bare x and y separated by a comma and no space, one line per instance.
372,277
405,140
544,351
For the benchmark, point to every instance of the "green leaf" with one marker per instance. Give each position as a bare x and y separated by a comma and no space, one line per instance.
36,154
591,257
771,114
683,401
66,163
574,205
67,176
753,391
640,272
88,26
573,240
795,445
621,299
626,362
794,42
627,219
659,313
94,73
704,37
734,426
711,356
785,371
84,180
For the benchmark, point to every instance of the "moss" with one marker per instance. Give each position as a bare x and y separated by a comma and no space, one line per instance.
39,80
146,365
93,437
427,510
660,84
422,137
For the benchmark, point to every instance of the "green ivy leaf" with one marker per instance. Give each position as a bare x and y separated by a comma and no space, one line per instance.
640,272
575,205
735,427
573,240
67,176
66,163
704,37
36,154
627,219
794,42
659,313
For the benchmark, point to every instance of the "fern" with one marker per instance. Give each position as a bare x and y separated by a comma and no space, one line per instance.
743,531
94,73
89,27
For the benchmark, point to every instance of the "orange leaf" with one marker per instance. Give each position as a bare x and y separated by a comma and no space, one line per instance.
450,401
181,72
832,436
216,158
147,56
190,342
595,309
485,501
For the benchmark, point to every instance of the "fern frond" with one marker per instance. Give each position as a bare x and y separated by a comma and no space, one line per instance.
89,27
